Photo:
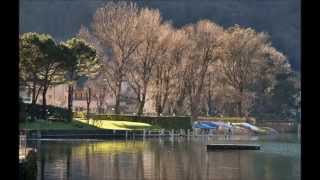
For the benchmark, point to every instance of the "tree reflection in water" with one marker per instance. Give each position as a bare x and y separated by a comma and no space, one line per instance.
156,159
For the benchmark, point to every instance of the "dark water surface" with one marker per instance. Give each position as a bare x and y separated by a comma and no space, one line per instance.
169,159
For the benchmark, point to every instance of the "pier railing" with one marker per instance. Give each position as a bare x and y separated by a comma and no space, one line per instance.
22,145
84,134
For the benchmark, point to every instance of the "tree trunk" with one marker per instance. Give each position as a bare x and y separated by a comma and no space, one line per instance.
142,102
140,108
210,106
88,108
33,100
240,108
194,113
240,113
170,108
88,102
117,104
193,109
35,94
34,89
158,109
70,101
179,103
99,107
158,104
44,104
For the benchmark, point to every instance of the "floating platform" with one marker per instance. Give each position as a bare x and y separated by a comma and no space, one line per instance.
233,147
23,153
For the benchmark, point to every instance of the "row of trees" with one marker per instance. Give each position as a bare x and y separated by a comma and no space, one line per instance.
45,63
196,69
183,69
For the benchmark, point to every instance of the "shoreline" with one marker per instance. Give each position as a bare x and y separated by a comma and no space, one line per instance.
107,134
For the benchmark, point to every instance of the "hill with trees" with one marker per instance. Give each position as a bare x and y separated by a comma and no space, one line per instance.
279,18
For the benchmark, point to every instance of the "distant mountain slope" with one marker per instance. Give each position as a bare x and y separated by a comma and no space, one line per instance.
280,18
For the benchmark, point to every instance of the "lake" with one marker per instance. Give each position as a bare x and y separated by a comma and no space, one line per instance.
177,158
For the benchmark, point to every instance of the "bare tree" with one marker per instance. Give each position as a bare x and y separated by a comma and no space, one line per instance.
205,47
85,34
266,80
245,53
210,84
165,82
148,54
116,26
95,87
100,94
88,94
180,70
161,85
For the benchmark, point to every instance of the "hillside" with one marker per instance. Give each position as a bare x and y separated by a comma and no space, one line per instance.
279,18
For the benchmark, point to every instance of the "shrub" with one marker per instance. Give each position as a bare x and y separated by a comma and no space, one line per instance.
22,111
225,119
53,111
80,114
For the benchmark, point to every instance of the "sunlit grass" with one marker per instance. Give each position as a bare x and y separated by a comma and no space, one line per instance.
109,147
85,124
117,125
46,125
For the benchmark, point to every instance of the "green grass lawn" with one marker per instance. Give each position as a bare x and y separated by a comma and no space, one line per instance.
83,124
118,125
44,125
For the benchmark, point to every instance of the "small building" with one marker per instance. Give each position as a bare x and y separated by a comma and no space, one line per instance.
58,96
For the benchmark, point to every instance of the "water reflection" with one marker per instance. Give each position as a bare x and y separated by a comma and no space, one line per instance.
161,159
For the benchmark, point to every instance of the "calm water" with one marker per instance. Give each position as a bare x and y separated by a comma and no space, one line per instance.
169,159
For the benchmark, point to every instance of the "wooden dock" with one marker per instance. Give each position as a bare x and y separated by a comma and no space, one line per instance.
23,149
233,147
106,134
23,153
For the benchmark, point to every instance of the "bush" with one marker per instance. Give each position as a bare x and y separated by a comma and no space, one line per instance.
22,111
53,111
80,114
225,119
169,122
